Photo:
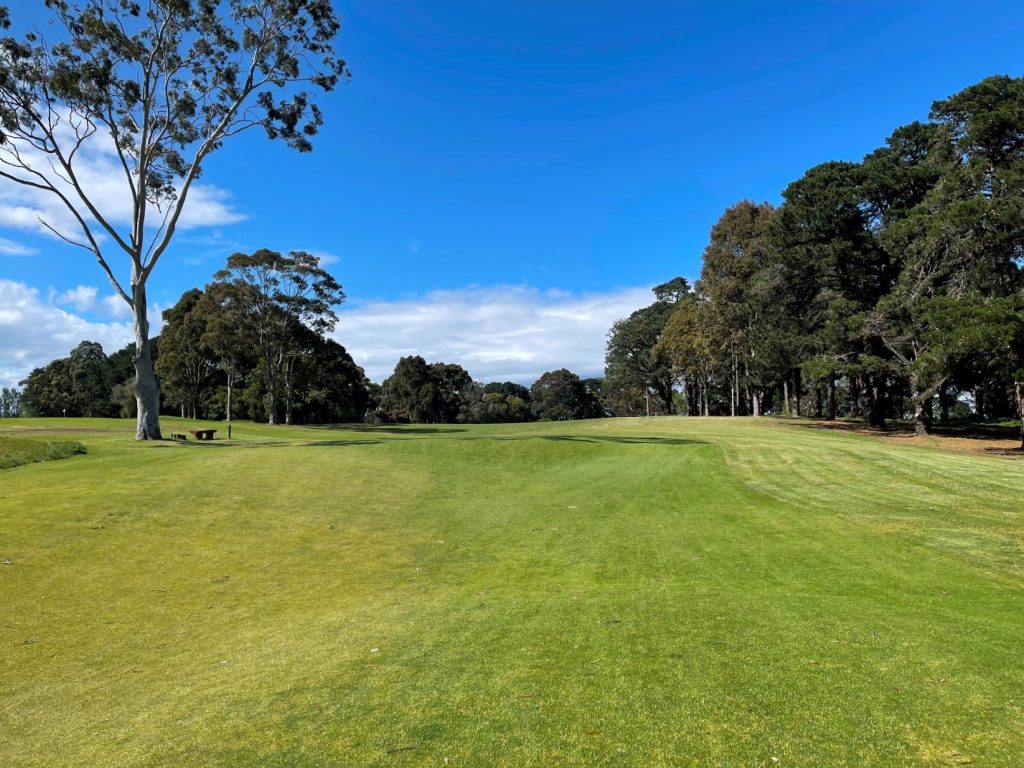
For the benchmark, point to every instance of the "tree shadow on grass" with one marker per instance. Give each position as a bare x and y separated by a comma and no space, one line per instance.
335,443
1016,453
627,440
223,443
243,445
389,429
412,433
978,431
966,429
599,439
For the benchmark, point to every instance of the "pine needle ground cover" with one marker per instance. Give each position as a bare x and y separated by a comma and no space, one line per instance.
646,592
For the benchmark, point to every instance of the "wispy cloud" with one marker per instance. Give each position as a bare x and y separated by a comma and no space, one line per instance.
206,247
13,248
326,259
102,177
502,333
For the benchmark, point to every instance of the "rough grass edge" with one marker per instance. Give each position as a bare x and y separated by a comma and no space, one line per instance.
18,451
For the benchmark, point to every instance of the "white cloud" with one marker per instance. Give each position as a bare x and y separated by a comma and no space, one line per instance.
33,332
82,297
208,206
103,179
115,306
503,333
13,248
512,333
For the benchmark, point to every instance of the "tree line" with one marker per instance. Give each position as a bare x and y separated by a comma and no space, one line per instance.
885,289
441,393
888,288
253,345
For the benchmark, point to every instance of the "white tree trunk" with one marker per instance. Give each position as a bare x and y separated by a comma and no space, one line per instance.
147,390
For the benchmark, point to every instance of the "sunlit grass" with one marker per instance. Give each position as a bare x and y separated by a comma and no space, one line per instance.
646,592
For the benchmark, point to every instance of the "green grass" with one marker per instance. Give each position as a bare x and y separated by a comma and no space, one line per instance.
646,592
16,451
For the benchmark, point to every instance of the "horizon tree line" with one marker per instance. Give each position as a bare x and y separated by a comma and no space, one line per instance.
253,345
884,289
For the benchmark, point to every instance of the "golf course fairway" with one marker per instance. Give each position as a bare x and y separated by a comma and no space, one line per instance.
621,592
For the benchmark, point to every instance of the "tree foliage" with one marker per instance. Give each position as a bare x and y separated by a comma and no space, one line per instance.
888,284
560,396
10,403
638,375
281,300
80,384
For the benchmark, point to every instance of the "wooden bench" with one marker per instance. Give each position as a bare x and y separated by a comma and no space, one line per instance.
202,434
178,436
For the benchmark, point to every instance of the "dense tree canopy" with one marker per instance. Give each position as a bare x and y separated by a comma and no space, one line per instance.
880,287
284,301
80,384
187,366
560,396
638,375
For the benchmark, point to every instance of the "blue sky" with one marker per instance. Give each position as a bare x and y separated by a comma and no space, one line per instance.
500,181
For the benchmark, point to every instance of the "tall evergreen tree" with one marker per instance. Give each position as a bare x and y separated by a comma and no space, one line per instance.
638,376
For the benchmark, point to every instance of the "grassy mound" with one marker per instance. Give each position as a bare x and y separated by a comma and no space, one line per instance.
642,592
16,451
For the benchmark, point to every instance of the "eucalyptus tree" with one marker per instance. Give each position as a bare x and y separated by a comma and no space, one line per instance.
159,86
278,298
10,403
691,347
334,387
453,389
228,337
499,402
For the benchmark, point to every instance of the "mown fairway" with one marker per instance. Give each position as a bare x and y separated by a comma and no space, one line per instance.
626,592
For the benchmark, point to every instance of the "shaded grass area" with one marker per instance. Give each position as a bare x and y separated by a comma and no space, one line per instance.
16,451
966,428
646,592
